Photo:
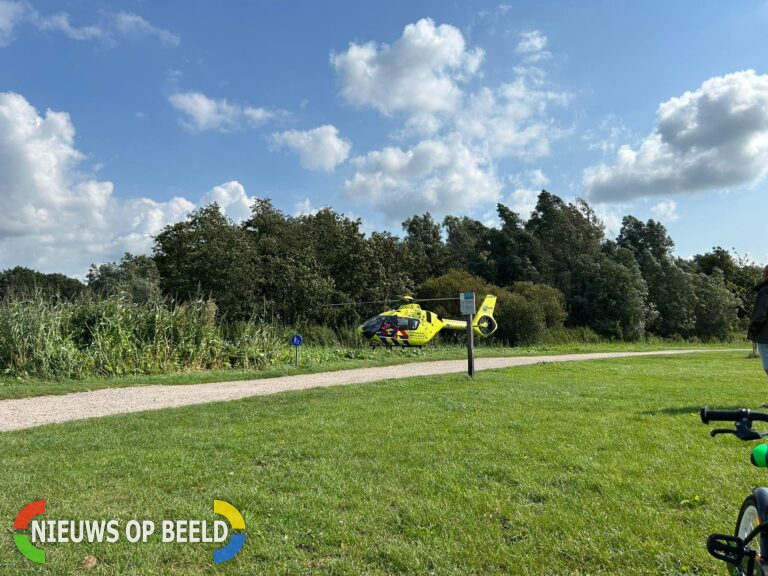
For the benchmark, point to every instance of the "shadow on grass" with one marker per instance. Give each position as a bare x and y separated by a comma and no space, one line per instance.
678,410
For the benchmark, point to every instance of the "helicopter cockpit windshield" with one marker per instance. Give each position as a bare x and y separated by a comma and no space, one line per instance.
373,325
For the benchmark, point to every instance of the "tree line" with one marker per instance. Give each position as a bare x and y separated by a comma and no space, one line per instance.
556,270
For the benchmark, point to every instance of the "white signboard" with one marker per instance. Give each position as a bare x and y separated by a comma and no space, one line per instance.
467,303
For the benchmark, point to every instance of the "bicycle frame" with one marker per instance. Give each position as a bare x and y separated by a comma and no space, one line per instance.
736,549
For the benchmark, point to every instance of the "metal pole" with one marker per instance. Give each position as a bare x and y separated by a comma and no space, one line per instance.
297,356
470,348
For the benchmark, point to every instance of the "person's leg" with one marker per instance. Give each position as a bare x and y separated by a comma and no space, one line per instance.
762,349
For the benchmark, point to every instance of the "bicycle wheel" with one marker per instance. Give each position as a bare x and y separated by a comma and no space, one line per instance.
752,509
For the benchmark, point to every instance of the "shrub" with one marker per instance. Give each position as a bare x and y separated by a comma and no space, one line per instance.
521,321
550,300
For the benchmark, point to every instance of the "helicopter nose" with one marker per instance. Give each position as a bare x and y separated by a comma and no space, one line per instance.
368,335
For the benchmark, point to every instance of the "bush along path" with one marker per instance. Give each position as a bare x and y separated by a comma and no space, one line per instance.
30,412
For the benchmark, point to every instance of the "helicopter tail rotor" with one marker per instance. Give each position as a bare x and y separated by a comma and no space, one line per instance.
484,324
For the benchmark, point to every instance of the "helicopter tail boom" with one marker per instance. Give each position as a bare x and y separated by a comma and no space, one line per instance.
454,324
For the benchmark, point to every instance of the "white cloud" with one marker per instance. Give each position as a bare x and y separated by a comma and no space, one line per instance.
420,73
523,201
460,137
511,120
665,211
488,21
608,136
304,208
490,219
526,193
232,199
611,216
54,218
134,25
440,176
110,27
420,126
61,23
538,179
533,74
11,14
257,115
173,78
532,46
713,137
318,149
204,113
135,221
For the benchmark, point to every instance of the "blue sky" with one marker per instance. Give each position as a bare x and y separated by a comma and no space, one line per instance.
119,118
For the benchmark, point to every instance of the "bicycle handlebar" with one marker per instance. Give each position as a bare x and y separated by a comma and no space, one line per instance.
708,415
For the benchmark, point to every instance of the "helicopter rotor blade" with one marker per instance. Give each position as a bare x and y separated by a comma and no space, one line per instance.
432,299
361,303
402,299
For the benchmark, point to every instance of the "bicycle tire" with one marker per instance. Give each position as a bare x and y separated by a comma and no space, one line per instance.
754,510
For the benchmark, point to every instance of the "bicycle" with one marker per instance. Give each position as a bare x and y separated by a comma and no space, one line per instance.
746,552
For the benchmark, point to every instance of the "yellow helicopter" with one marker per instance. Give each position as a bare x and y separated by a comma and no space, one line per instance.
410,325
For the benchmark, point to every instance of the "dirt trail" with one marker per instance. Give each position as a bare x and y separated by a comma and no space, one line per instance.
31,412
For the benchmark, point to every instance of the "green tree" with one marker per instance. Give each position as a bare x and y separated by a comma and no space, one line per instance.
740,275
24,282
268,228
671,294
468,246
565,232
207,255
424,240
609,297
388,267
340,251
513,250
135,275
298,290
718,258
715,308
638,237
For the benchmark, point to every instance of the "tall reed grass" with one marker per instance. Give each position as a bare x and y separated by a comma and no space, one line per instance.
115,337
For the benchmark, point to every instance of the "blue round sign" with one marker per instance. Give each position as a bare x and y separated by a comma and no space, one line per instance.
296,340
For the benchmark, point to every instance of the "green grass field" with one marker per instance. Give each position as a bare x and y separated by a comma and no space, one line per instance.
599,467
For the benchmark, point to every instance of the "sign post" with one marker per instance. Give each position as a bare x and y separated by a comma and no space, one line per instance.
467,307
296,341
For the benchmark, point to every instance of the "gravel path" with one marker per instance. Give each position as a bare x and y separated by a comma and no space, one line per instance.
31,412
